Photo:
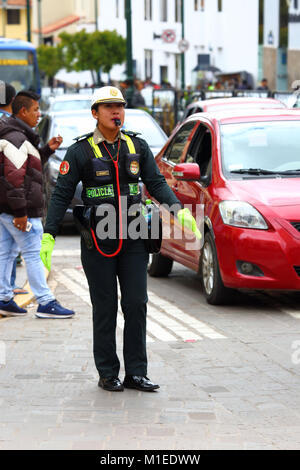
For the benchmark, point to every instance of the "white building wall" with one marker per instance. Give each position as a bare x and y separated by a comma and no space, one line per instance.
271,23
239,35
294,27
230,36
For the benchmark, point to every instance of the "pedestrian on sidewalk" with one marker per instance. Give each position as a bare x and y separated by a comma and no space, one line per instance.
5,112
109,163
21,205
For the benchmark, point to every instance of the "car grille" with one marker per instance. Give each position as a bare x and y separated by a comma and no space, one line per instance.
296,225
297,269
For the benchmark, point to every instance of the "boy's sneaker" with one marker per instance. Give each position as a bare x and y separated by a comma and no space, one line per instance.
11,309
53,310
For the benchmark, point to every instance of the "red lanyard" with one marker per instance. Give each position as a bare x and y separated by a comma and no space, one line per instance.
115,162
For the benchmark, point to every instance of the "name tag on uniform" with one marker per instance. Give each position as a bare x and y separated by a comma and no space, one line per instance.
102,173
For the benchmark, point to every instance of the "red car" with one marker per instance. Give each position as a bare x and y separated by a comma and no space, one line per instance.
242,170
232,104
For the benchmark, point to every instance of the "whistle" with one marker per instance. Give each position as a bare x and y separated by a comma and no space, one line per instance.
117,122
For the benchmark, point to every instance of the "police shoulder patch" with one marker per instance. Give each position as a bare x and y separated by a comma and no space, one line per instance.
64,167
130,133
84,136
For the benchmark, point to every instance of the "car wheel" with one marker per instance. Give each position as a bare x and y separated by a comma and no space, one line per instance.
213,288
159,265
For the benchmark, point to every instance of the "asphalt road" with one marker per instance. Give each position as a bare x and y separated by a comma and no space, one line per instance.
182,287
229,376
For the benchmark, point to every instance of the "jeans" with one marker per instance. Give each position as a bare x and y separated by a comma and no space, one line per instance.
14,275
12,241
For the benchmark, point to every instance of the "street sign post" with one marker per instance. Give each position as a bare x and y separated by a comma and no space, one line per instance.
183,45
129,62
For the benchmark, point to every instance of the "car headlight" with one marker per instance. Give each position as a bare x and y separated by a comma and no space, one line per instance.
54,168
241,214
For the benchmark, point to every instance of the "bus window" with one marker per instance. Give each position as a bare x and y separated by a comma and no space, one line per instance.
17,68
18,65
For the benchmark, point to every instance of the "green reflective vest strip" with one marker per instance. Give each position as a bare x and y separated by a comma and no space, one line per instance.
97,150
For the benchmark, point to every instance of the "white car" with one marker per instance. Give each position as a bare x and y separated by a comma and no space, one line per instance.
73,124
69,102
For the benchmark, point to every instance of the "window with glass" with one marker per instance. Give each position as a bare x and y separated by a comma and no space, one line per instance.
148,63
163,10
148,10
199,5
261,148
71,105
220,5
18,69
13,16
178,11
200,150
148,128
180,142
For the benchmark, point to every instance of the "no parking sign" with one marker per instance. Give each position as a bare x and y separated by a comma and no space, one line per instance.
169,35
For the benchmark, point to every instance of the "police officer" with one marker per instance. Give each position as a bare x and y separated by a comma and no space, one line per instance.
109,163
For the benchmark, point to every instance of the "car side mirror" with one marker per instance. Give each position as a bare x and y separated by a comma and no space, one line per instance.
187,172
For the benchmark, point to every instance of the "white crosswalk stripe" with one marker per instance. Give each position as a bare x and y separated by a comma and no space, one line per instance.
179,329
67,253
71,277
179,314
74,287
77,276
165,321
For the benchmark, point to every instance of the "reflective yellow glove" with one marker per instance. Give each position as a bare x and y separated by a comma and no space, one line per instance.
46,250
187,220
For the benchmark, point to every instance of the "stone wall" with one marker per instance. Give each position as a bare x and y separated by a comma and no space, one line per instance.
270,66
293,62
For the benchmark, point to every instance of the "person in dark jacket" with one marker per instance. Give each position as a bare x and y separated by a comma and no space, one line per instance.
21,205
109,162
7,95
6,111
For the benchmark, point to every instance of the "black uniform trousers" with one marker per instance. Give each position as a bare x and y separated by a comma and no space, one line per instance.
130,268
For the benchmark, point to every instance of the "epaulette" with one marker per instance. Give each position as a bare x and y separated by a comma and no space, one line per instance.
130,133
84,136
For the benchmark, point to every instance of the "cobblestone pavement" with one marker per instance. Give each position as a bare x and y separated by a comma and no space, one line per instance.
222,385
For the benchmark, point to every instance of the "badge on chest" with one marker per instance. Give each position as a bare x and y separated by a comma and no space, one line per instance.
132,164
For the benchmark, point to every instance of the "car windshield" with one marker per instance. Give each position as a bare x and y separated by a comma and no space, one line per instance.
71,127
147,127
70,105
260,148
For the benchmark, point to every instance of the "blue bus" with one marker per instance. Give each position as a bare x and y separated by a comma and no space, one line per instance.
18,65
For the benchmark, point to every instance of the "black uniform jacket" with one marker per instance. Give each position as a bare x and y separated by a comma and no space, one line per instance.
73,170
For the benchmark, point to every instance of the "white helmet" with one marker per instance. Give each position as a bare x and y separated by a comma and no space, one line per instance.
107,94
